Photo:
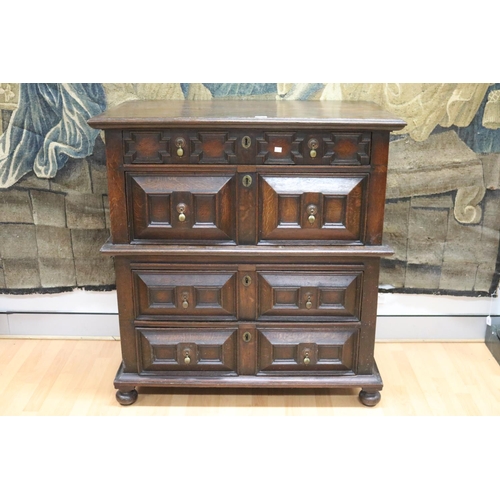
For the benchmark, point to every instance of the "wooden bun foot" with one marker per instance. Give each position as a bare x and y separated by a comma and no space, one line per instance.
369,398
126,398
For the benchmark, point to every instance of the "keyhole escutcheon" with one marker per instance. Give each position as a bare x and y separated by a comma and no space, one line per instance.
247,180
246,142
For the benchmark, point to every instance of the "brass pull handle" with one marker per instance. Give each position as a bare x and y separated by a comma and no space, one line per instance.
180,145
187,359
312,210
307,359
185,304
181,208
308,303
313,144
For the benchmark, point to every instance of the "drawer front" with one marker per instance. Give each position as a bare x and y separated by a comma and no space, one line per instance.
307,350
187,349
313,148
288,295
185,295
177,147
298,207
182,207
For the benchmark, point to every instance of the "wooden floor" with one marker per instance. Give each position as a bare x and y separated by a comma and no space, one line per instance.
75,377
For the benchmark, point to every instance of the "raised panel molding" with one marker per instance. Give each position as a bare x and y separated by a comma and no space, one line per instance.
213,147
338,206
282,350
326,294
185,294
167,348
146,147
347,149
208,206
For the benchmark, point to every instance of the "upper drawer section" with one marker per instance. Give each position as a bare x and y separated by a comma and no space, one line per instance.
246,147
181,207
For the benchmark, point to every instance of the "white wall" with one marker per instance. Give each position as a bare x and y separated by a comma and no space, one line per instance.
85,314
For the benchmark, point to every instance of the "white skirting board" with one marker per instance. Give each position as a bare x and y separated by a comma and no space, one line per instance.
105,326
401,317
53,325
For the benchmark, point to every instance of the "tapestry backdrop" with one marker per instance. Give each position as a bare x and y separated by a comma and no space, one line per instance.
443,193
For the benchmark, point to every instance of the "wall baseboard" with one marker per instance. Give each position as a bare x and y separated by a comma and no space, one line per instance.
105,326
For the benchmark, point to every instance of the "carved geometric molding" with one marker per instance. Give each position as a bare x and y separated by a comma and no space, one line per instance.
278,148
212,147
347,149
146,147
326,349
208,349
207,206
281,293
183,294
336,202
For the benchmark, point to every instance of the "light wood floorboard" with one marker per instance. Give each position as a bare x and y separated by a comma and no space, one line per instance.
75,377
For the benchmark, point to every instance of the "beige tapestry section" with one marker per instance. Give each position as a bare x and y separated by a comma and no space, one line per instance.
422,105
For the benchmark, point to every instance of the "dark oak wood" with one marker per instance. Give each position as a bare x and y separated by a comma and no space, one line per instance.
344,115
247,242
369,397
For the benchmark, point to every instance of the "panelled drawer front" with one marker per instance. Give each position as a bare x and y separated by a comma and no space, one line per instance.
141,147
307,350
313,148
288,295
184,295
164,206
187,349
312,207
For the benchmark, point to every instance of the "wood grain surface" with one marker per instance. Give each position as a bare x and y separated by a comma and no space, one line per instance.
74,377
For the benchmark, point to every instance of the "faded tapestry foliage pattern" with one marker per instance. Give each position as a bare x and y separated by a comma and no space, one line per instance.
442,198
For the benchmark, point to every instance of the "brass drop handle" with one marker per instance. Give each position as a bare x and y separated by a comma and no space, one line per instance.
181,208
312,210
313,145
180,145
308,303
185,303
187,359
307,359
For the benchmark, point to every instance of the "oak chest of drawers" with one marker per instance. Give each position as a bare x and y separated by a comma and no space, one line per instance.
247,237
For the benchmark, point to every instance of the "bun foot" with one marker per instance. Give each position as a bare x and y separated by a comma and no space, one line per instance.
126,398
369,398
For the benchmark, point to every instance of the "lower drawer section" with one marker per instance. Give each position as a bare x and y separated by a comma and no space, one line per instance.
248,349
307,349
187,349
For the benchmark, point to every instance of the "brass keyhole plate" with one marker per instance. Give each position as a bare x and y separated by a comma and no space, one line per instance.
247,337
246,280
247,180
246,142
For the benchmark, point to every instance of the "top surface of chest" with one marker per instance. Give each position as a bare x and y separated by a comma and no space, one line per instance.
345,115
